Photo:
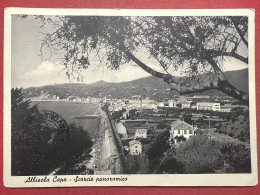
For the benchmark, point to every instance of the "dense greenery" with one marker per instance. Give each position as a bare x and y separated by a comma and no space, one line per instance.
201,155
157,149
237,158
198,155
32,151
237,126
137,164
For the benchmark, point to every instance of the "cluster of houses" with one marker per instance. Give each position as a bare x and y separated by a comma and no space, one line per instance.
196,102
202,102
179,129
130,104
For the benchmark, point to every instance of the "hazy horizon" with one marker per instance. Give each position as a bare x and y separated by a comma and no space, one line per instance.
104,81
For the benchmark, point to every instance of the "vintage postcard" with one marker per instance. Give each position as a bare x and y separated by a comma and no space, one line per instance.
113,97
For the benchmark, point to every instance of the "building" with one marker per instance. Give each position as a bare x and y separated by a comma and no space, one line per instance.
201,96
125,114
208,106
225,109
160,104
135,147
181,128
171,103
185,104
141,133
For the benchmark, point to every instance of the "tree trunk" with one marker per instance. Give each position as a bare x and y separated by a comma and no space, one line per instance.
186,85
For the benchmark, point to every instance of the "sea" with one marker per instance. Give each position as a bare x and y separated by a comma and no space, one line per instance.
73,112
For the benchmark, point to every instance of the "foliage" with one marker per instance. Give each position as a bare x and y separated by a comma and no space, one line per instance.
118,114
132,164
200,155
238,157
194,44
157,149
24,122
180,138
137,164
133,114
162,125
169,164
32,151
238,126
73,151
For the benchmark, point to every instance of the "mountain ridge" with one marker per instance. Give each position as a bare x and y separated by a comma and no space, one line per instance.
151,87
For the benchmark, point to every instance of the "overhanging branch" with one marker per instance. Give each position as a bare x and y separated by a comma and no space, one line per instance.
239,31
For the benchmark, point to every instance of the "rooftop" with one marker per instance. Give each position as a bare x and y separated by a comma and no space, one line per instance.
178,125
134,142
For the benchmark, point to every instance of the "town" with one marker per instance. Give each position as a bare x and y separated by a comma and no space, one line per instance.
136,123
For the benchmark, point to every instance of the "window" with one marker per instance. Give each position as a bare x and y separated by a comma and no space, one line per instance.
135,146
190,131
185,131
179,131
136,151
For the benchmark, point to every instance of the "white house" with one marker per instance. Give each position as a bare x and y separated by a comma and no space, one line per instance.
135,147
141,133
208,106
186,104
171,103
125,114
181,128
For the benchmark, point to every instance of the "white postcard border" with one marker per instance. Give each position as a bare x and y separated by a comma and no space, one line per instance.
132,180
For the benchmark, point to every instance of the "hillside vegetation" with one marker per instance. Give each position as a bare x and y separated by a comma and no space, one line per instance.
151,87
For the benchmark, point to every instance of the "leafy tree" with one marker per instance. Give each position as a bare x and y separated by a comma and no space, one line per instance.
32,153
24,122
238,157
200,155
157,149
169,164
197,45
73,151
132,164
162,125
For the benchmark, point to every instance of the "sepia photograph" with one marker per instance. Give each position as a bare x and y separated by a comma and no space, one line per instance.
129,98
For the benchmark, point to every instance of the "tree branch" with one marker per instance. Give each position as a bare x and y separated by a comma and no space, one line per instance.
146,68
237,56
214,53
239,31
202,83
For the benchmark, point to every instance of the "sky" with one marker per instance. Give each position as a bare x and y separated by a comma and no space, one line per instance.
30,70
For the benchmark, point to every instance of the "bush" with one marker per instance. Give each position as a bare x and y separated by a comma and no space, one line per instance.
170,165
200,155
137,164
157,149
36,149
238,157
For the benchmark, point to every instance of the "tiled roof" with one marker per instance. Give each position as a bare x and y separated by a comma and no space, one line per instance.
134,142
179,125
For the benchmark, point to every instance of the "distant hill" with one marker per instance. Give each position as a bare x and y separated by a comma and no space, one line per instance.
238,78
151,87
